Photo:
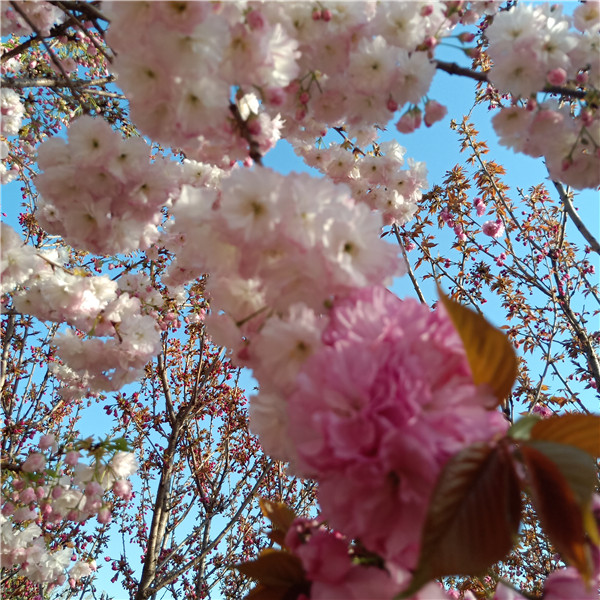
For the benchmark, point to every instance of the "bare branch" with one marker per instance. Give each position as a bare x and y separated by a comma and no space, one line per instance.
565,198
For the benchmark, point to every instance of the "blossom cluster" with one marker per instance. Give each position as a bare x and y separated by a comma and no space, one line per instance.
278,249
175,62
377,179
340,64
43,496
374,427
336,64
336,572
121,337
338,569
43,15
12,111
532,46
116,207
570,146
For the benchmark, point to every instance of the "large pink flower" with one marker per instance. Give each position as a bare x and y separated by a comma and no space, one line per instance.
377,412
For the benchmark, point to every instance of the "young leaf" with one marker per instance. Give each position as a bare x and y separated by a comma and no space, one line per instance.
473,517
491,356
263,592
274,568
576,466
280,515
578,430
521,430
558,481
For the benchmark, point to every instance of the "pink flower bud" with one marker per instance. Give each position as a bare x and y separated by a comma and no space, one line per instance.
409,121
458,230
122,489
57,492
255,19
479,206
8,509
557,76
392,105
47,441
275,96
582,78
316,15
531,104
93,488
466,38
104,515
587,117
254,126
434,112
27,495
326,15
431,42
72,458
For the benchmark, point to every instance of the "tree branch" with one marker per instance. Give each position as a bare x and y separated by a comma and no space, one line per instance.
54,82
454,69
568,204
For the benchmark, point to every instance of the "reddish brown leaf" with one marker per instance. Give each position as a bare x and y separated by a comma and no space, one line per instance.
280,515
555,501
578,430
277,537
274,568
473,516
491,356
262,592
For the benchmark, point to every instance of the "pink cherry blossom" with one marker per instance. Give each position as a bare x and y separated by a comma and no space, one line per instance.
355,423
434,112
35,463
494,229
566,584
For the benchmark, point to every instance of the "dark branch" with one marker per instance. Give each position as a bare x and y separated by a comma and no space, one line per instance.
565,198
253,151
454,69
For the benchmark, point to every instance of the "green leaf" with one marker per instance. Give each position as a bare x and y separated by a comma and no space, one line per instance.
473,516
561,479
490,354
521,430
582,431
576,466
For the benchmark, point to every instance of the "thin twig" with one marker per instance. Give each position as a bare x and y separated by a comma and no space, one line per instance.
410,271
